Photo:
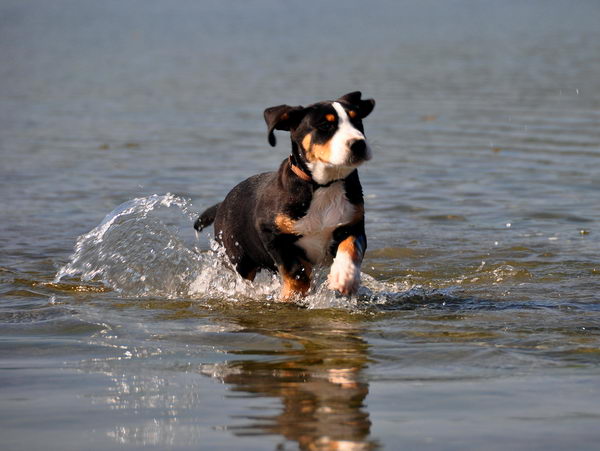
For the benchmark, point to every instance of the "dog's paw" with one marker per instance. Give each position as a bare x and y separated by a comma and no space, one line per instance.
344,275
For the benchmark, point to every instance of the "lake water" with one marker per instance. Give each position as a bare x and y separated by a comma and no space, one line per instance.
478,323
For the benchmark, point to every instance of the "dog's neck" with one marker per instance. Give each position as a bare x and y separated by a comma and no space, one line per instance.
298,161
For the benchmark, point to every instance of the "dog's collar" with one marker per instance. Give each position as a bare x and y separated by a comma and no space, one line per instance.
302,174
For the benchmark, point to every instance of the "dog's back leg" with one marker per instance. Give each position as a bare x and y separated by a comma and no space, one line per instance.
247,268
206,218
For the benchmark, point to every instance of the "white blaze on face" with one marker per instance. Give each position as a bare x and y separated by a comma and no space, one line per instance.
345,135
338,164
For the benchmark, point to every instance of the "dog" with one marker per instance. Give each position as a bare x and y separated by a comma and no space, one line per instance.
310,211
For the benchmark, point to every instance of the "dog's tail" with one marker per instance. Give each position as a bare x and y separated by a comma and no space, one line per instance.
206,218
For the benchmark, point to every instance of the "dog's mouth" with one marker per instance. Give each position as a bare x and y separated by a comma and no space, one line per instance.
324,171
353,154
352,162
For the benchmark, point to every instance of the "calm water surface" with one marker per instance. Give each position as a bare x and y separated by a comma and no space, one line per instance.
478,323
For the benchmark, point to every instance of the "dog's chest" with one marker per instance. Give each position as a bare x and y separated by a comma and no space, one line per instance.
329,209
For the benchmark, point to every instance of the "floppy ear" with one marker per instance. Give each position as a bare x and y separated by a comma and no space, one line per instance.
364,106
282,117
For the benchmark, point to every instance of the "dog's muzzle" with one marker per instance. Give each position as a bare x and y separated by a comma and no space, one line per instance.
359,151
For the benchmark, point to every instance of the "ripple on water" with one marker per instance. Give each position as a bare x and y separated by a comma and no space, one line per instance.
133,252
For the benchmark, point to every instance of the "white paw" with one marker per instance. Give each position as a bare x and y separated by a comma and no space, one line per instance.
344,275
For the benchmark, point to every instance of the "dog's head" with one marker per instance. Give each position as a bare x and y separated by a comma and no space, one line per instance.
328,136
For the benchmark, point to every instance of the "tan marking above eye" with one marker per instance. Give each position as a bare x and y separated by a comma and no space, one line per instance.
352,114
330,117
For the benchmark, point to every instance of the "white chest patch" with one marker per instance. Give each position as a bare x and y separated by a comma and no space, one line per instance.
328,210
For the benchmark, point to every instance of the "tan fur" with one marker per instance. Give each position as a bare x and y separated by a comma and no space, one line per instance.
348,246
306,144
285,224
322,152
293,287
316,152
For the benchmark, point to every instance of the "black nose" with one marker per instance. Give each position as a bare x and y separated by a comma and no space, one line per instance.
359,149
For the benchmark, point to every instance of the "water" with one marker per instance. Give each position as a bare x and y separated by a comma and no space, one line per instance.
478,322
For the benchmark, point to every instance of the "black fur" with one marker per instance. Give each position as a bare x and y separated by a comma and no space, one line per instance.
244,222
245,226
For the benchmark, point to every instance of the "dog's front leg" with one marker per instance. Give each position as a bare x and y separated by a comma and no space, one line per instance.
345,270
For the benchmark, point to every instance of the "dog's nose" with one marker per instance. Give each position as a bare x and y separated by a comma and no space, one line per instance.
359,149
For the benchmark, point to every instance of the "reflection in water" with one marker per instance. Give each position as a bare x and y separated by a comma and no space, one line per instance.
312,361
319,382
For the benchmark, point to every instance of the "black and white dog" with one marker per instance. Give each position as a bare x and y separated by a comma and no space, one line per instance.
310,211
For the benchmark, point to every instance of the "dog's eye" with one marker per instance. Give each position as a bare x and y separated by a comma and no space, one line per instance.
325,126
352,114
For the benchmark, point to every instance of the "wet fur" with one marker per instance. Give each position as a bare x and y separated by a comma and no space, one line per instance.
287,223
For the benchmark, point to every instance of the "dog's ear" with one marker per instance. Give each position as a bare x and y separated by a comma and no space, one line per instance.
282,117
364,106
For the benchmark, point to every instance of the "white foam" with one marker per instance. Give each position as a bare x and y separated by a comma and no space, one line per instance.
133,252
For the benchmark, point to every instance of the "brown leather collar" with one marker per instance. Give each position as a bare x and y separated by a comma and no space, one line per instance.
300,173
307,178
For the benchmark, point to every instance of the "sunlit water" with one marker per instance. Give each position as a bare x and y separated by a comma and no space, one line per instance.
477,325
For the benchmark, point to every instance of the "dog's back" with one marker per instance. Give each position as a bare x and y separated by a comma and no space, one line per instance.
236,225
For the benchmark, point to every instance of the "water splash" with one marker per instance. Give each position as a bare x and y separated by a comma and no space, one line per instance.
135,253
